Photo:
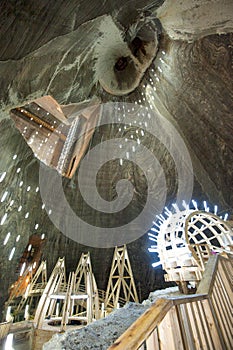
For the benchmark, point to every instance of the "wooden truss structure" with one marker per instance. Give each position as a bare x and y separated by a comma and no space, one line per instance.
56,284
33,291
185,241
27,291
121,287
85,284
58,302
73,301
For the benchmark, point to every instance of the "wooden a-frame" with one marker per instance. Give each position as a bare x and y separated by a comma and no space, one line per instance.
121,286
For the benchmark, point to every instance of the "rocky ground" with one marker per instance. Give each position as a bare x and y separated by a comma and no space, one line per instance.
102,333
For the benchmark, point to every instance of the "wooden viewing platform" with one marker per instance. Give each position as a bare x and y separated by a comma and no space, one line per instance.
199,321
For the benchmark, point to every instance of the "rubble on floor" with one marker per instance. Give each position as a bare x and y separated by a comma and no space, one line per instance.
102,333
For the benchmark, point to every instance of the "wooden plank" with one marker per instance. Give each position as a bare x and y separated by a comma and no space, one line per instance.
205,331
182,327
142,347
216,321
152,343
188,298
194,323
225,300
49,104
143,326
225,275
206,283
165,334
214,331
219,301
176,331
206,328
187,327
226,294
220,318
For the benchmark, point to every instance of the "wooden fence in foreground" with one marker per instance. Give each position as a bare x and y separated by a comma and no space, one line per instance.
193,322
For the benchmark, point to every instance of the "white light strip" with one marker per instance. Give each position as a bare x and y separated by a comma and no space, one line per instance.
4,196
2,177
152,235
3,219
175,206
195,204
155,230
215,209
9,342
156,264
6,238
153,250
12,253
22,269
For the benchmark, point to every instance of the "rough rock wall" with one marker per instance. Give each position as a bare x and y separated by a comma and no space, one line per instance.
52,52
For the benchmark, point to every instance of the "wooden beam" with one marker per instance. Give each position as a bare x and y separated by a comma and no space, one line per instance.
143,326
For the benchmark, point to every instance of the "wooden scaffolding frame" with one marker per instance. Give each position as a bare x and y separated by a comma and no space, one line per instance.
61,300
34,288
85,283
78,299
56,284
121,286
26,287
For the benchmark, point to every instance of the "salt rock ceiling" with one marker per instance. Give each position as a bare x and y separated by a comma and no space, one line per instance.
51,48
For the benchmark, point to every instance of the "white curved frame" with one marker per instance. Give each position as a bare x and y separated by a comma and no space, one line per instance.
185,241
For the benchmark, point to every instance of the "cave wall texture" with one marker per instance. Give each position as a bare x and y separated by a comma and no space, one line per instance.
51,47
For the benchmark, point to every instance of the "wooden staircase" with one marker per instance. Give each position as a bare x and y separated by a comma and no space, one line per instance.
193,322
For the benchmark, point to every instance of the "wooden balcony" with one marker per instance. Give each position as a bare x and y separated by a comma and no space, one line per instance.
199,321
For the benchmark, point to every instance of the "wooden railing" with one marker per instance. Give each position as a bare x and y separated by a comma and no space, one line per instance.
200,321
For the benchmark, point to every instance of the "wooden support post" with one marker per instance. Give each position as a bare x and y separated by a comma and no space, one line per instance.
66,308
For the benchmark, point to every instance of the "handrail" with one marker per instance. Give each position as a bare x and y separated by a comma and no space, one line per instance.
139,332
143,326
206,284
